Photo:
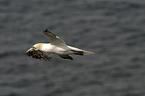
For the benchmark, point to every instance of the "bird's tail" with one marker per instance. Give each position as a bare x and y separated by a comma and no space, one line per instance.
88,52
78,51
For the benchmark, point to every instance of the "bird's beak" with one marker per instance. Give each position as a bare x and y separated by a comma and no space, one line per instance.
29,52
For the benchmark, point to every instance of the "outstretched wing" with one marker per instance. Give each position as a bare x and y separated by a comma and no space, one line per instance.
66,57
55,40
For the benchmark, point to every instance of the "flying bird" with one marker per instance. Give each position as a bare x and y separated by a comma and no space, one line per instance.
56,46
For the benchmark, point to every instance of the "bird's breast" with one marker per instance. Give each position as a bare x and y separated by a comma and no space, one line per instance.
54,49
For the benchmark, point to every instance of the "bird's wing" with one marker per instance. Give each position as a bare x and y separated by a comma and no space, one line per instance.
55,40
66,57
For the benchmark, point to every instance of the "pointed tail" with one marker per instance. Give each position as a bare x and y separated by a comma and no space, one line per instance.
80,51
88,52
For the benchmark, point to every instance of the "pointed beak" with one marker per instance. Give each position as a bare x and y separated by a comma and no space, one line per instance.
29,52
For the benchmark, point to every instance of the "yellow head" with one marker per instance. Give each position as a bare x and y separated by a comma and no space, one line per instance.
38,46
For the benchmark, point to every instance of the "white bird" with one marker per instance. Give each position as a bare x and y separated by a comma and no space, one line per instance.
56,46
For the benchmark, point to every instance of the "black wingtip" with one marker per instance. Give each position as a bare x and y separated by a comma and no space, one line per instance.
45,30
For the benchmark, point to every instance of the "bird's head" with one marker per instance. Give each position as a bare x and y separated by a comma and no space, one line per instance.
34,52
38,46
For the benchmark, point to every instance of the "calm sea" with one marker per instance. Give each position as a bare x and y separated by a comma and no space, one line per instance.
113,29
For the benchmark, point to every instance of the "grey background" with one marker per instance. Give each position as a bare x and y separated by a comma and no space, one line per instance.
113,29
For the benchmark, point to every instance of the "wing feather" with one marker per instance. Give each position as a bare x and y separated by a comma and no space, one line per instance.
66,57
55,40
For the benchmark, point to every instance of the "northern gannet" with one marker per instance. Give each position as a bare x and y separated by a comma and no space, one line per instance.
56,46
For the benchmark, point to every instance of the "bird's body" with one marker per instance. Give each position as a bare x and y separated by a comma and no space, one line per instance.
53,49
56,46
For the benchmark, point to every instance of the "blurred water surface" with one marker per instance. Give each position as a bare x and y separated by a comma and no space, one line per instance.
113,29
